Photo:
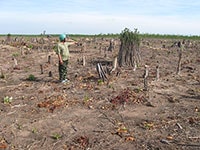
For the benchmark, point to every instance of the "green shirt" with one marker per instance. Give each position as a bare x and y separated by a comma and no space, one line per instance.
62,49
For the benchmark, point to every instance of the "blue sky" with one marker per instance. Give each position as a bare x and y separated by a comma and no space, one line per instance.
99,16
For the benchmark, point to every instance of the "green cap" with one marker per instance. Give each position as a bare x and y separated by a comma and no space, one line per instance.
62,37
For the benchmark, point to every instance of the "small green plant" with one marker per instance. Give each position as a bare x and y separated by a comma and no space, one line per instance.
137,90
100,82
15,54
86,98
109,86
148,126
31,77
7,100
30,46
19,126
56,136
34,130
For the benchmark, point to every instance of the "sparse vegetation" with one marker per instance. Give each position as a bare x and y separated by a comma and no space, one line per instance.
34,130
15,54
7,100
56,136
88,113
31,77
116,35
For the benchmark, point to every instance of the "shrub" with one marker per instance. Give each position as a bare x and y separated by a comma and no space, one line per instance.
31,77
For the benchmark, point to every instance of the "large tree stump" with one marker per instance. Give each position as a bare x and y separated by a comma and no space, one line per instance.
129,52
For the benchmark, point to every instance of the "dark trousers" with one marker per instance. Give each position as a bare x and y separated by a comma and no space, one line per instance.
63,70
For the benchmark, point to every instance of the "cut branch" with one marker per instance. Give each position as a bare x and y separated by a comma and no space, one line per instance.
101,72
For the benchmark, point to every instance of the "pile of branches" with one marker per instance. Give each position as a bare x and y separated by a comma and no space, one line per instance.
128,96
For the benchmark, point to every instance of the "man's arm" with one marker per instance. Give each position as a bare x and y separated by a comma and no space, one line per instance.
71,41
60,59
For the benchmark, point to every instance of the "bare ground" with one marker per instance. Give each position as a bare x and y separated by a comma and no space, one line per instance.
89,114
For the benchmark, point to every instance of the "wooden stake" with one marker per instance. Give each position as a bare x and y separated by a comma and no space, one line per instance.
112,45
114,64
83,47
50,74
22,51
83,60
146,74
2,74
135,65
49,59
105,52
179,61
15,64
157,73
41,68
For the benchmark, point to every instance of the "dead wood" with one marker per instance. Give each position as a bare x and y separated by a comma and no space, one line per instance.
146,74
101,72
41,69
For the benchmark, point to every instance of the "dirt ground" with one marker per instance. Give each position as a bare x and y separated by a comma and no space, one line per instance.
89,114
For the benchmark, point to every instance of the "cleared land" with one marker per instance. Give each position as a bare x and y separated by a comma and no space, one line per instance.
89,114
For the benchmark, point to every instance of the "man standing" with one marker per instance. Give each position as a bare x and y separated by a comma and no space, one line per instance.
63,56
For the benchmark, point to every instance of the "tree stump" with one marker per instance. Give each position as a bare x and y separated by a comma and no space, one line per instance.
112,45
180,45
157,73
114,64
146,74
84,61
15,64
49,59
50,74
41,68
129,52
